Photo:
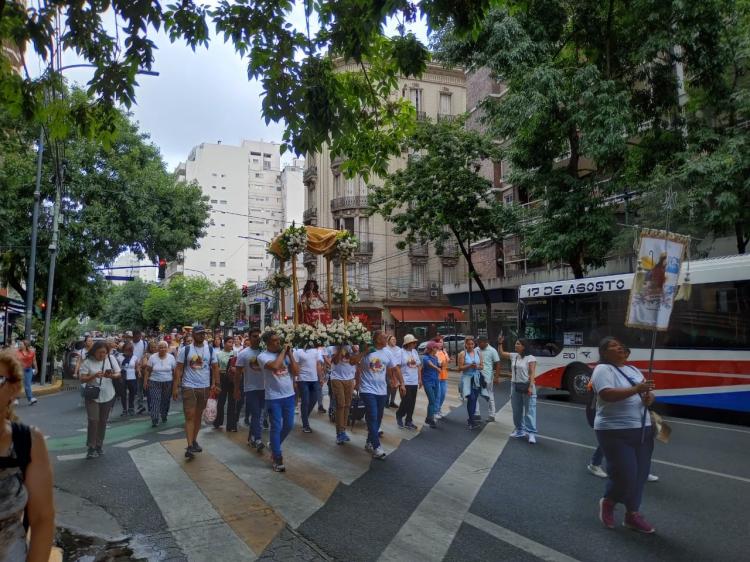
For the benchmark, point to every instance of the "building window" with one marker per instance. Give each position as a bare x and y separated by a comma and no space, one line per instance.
266,164
258,175
212,264
214,201
449,274
418,275
351,273
213,187
337,185
222,264
364,276
266,155
223,202
255,160
508,199
445,104
351,185
364,229
415,96
223,187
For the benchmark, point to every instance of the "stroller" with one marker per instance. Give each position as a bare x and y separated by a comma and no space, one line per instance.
356,410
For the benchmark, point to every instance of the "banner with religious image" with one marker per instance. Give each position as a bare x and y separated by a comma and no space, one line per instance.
655,284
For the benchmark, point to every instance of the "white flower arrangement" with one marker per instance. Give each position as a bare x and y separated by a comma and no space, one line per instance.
358,333
294,240
278,280
353,333
302,336
337,332
346,245
338,295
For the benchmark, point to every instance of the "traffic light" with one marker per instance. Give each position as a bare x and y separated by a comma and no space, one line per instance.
162,268
244,290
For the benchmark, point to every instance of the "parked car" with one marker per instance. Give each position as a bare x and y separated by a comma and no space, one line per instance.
452,343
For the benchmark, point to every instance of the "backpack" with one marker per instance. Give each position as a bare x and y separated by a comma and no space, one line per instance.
21,437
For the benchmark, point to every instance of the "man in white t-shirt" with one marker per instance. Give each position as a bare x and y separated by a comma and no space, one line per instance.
140,346
490,371
310,382
197,373
373,389
279,368
254,389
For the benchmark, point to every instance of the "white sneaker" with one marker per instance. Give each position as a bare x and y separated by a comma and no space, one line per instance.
532,439
517,434
368,447
652,478
33,401
438,416
596,470
378,453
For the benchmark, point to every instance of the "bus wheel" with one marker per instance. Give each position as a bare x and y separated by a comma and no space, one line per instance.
577,380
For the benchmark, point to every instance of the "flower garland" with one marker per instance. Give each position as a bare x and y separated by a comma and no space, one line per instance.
346,245
352,298
293,240
302,336
278,280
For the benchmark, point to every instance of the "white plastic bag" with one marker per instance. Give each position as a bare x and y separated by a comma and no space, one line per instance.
212,406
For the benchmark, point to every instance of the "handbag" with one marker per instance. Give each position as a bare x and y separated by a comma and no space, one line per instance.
662,430
92,391
212,408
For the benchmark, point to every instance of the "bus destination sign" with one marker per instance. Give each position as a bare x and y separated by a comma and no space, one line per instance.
577,286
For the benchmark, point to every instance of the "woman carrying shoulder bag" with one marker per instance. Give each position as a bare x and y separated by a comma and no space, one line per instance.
97,372
25,478
623,429
470,365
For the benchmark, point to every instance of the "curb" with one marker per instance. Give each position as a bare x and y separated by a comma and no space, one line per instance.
55,387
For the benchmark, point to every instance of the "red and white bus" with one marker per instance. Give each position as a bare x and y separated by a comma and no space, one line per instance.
703,359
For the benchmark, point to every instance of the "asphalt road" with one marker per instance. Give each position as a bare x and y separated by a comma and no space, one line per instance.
444,494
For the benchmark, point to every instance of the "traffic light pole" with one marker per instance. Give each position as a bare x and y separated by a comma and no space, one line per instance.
29,312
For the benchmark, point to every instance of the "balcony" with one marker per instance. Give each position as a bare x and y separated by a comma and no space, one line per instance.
310,174
446,117
421,116
418,250
310,216
365,249
450,250
349,202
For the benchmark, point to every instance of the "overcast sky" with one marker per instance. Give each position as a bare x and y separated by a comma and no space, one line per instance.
199,97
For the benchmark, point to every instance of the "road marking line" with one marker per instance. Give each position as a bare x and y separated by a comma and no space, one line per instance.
130,443
254,521
82,430
431,528
192,520
293,503
519,541
74,457
172,431
667,463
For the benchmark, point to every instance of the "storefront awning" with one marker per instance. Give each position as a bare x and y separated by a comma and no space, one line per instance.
440,314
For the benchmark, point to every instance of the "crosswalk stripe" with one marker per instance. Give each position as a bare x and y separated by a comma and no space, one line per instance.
171,431
73,457
311,477
130,443
431,528
192,520
292,502
254,521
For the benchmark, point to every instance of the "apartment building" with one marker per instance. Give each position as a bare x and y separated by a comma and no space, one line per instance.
400,290
243,184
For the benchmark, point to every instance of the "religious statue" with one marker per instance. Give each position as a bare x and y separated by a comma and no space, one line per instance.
313,307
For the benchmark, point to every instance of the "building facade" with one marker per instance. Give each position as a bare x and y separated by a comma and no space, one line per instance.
243,184
400,290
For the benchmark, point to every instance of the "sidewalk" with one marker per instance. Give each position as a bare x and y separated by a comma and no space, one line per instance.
43,390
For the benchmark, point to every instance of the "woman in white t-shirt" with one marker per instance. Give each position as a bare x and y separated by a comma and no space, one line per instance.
157,381
522,389
98,369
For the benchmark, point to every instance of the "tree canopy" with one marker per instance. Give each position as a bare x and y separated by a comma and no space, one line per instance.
117,197
353,112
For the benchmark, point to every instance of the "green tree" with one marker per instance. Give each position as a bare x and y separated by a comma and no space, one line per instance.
439,196
591,108
124,305
352,112
117,197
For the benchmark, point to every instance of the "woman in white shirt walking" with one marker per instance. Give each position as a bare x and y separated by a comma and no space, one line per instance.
522,389
99,369
157,381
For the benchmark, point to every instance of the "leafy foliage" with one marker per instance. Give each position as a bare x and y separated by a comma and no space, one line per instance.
116,197
351,112
439,196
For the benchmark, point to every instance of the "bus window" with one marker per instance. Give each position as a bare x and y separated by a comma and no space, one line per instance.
536,327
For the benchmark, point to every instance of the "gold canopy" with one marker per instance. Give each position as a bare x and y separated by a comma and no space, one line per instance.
320,241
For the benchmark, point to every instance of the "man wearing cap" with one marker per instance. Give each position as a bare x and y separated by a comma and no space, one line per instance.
196,374
140,346
490,370
411,371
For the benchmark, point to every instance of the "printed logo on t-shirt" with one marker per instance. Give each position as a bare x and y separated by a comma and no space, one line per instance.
253,364
411,363
196,362
376,365
280,372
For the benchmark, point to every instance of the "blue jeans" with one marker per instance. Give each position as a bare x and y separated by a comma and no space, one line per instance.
254,402
471,404
432,389
524,410
442,391
628,463
28,374
597,457
281,415
310,391
375,404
